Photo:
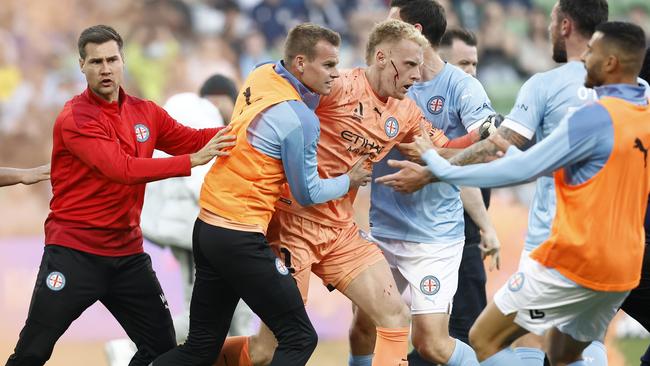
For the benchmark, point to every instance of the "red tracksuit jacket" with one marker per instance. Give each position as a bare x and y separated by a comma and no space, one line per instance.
100,163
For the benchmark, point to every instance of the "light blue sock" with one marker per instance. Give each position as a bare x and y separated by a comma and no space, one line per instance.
578,363
463,355
506,357
363,360
530,356
595,354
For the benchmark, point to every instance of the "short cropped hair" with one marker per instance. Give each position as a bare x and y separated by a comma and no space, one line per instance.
645,69
629,40
302,40
464,35
392,31
98,34
428,13
586,14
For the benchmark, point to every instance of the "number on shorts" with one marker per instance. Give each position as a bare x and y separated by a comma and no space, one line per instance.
537,314
287,259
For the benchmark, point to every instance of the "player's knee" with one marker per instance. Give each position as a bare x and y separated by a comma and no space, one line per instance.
396,315
483,346
433,350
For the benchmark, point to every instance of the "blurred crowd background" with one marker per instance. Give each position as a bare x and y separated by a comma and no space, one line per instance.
172,46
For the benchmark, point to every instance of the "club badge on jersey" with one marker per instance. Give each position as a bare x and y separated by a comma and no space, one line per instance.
141,132
391,127
436,104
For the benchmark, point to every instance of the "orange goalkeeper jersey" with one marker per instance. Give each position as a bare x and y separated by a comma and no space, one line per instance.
356,122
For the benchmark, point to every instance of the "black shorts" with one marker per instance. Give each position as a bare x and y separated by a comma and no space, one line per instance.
69,281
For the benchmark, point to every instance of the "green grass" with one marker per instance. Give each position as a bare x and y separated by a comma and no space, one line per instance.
632,349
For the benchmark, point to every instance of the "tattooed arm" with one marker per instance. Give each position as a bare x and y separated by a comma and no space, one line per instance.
488,149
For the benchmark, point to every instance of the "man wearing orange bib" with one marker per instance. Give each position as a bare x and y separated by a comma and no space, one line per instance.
575,282
277,132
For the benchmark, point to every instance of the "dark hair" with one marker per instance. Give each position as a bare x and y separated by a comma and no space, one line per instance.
219,85
585,14
645,69
462,34
428,13
629,40
302,40
98,34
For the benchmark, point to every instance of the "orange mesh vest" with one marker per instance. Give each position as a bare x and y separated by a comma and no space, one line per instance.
597,237
244,186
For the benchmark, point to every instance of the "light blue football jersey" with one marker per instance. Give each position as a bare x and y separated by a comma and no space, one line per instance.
543,101
454,102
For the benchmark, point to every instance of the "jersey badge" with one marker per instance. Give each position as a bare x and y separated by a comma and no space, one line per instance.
391,127
55,281
430,285
141,132
436,104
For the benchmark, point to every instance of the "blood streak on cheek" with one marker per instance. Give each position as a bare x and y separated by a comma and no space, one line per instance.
396,73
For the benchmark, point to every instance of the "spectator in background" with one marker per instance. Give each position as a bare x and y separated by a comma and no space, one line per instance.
534,51
171,206
253,52
275,17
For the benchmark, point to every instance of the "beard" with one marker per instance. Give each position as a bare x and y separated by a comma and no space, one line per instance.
592,80
559,51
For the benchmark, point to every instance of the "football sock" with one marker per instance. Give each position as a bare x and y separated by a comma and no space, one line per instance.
463,355
530,356
391,346
360,360
234,352
595,354
505,357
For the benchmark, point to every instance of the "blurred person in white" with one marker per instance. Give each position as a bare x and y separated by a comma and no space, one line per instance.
171,206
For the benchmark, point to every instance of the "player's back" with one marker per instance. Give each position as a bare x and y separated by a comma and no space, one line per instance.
354,122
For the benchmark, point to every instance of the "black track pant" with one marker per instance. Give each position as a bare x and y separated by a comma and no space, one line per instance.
230,265
70,281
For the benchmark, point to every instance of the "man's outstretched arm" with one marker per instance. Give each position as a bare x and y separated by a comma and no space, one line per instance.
11,176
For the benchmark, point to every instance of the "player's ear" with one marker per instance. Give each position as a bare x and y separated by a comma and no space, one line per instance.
300,63
566,27
380,57
611,63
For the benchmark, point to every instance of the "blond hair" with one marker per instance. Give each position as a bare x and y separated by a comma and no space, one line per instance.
302,40
392,31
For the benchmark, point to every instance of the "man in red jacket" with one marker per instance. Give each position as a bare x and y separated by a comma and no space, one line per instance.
101,160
